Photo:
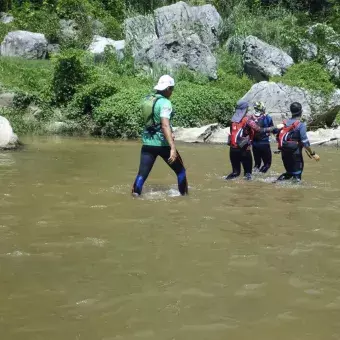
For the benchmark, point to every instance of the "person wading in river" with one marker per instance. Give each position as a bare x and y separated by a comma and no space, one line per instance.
158,138
242,132
292,138
261,145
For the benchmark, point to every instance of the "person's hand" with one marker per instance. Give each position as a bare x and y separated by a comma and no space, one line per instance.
173,136
280,126
173,156
316,157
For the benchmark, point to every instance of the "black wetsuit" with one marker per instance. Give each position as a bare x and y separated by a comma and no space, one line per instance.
261,146
292,157
148,157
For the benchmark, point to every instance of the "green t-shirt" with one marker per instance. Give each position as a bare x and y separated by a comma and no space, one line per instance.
162,109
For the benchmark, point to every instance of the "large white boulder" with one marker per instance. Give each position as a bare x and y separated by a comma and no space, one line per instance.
24,44
99,44
8,139
318,110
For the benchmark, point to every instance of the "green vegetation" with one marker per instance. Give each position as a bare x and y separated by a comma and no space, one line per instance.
103,98
308,75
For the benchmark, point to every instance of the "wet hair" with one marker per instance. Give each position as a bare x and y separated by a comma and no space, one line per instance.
296,109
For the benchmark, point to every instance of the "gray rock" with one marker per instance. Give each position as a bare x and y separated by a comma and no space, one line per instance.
317,109
332,64
234,44
140,32
68,29
98,27
6,99
53,49
325,33
305,51
6,18
24,44
194,135
179,49
309,50
203,20
8,138
262,60
99,44
210,22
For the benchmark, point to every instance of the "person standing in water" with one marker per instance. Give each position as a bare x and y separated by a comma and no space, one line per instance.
261,145
158,137
292,138
242,131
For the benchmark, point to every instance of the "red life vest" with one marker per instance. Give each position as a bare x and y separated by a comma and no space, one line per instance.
283,136
237,133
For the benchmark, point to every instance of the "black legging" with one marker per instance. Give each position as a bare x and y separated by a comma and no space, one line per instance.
293,163
238,157
147,160
262,153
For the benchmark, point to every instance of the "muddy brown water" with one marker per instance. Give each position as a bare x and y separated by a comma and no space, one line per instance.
81,259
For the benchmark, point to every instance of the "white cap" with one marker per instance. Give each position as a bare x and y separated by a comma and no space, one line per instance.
164,82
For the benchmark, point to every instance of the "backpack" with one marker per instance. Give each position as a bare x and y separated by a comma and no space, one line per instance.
148,107
283,137
236,137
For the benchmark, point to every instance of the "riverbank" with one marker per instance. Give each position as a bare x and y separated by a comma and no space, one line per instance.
215,134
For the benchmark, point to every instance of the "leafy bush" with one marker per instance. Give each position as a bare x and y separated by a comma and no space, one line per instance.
184,74
119,116
69,72
125,66
197,105
4,29
70,9
271,25
230,76
20,123
45,21
89,97
309,75
25,75
112,28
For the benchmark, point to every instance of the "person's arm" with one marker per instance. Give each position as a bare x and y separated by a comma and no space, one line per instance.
305,142
165,122
165,116
256,128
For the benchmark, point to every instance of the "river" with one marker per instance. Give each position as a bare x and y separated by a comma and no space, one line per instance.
81,259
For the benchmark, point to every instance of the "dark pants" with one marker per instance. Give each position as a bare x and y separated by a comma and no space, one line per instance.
293,163
240,157
147,160
262,153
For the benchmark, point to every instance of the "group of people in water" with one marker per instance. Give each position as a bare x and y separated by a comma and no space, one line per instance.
249,133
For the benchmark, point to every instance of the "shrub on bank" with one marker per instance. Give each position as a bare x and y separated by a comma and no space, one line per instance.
89,97
309,75
197,105
119,116
69,72
25,75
